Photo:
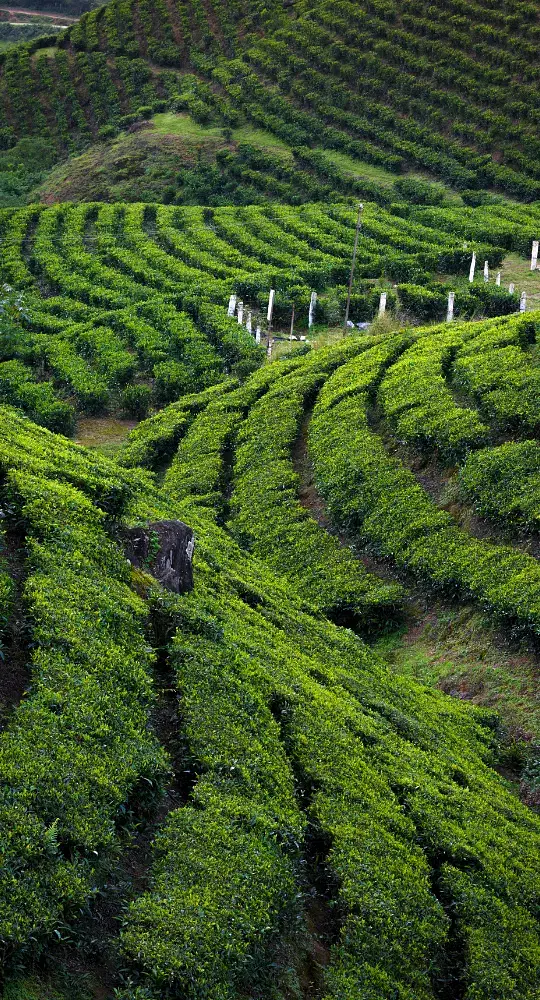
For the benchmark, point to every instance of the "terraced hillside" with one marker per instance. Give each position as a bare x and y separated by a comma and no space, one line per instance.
316,825
448,89
125,305
315,775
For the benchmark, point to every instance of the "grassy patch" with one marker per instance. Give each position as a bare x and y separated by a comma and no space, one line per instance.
458,652
517,270
103,434
32,988
50,52
369,171
169,123
263,140
358,168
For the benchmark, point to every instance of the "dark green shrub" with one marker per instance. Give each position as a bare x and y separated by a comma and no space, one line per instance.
135,401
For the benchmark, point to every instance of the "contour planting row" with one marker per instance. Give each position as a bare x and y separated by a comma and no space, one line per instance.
77,747
265,513
416,393
340,76
355,80
119,295
503,483
374,495
308,749
292,726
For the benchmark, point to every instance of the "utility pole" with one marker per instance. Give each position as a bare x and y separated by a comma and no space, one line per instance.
353,262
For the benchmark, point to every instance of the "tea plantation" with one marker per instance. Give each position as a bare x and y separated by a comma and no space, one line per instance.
292,305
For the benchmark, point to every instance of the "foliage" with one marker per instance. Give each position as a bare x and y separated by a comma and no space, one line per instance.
504,482
79,744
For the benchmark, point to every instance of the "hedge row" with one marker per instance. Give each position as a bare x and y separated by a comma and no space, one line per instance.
504,382
268,517
117,276
504,483
199,471
419,405
154,440
370,492
37,399
76,748
334,79
292,721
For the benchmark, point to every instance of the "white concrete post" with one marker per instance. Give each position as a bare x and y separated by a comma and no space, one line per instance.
498,278
240,313
382,304
312,304
534,255
232,305
258,335
271,305
472,267
248,323
523,302
450,311
486,271
511,287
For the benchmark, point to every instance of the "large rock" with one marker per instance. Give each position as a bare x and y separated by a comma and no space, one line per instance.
164,549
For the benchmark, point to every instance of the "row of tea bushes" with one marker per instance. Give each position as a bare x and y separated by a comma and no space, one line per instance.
504,384
267,517
504,483
77,747
306,747
200,468
419,404
155,440
372,493
416,393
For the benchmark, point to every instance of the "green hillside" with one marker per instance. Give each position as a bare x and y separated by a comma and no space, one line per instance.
123,305
449,89
316,774
306,755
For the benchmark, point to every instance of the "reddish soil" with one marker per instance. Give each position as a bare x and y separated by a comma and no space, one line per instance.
176,28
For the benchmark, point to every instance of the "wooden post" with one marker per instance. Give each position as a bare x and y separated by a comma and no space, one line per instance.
353,263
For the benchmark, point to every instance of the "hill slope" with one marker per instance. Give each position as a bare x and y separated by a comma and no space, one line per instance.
228,793
298,754
450,89
128,302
